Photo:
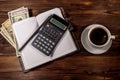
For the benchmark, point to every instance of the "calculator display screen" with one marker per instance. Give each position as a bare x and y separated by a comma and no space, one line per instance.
58,24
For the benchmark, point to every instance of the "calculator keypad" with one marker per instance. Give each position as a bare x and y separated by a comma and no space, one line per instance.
46,39
43,44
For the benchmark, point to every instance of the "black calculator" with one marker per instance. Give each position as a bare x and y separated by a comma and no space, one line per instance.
49,34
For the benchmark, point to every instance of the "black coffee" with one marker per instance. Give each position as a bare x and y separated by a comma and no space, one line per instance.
98,36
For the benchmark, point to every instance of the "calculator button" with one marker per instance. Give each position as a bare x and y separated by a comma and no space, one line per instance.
35,43
43,45
48,25
49,49
45,42
50,41
48,44
41,48
46,39
53,43
44,50
39,42
51,46
42,40
38,46
43,37
46,47
38,37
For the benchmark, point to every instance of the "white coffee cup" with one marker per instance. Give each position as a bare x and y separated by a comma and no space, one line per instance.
96,39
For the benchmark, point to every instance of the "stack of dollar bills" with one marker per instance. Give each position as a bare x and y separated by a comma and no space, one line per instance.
6,29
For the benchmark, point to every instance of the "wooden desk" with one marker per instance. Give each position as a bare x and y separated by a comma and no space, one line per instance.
79,66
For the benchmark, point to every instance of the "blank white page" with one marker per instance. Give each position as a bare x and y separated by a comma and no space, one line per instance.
24,29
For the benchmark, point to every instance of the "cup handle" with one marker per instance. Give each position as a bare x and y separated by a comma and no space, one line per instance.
113,37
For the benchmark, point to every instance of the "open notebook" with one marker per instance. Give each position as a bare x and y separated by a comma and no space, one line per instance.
31,57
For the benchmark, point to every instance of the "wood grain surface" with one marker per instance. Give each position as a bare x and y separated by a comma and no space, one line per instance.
81,65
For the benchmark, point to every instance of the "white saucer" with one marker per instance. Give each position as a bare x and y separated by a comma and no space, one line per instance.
92,49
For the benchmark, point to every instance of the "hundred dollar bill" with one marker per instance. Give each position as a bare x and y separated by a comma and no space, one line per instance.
5,34
7,30
2,32
11,40
18,14
7,26
9,13
15,10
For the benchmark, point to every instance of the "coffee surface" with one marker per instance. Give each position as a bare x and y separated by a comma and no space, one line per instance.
98,36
